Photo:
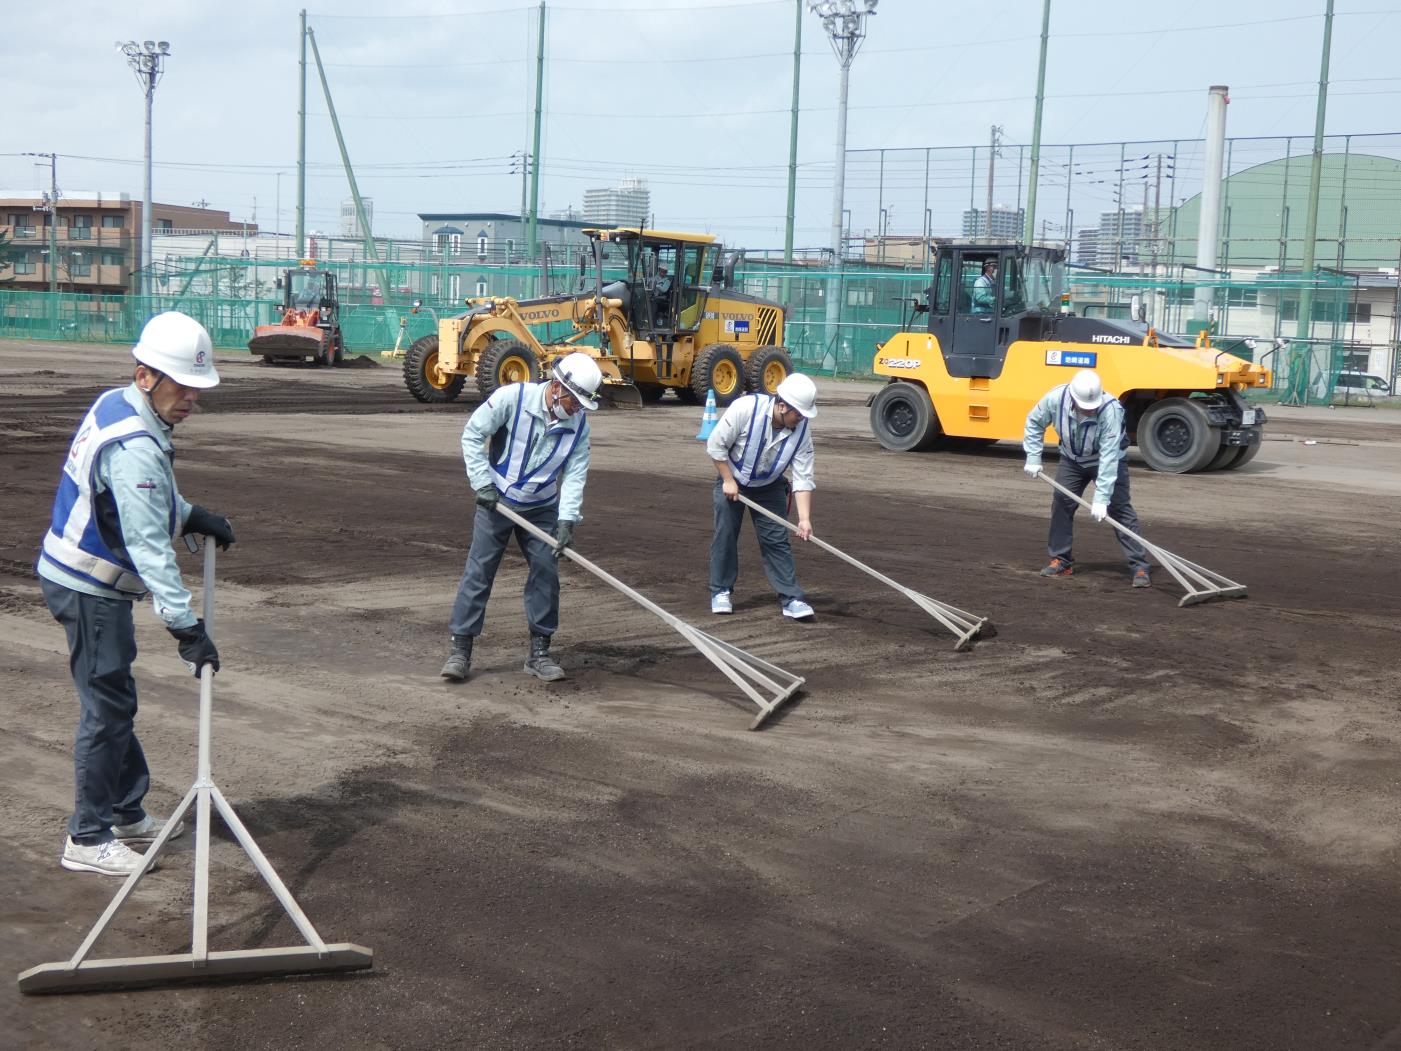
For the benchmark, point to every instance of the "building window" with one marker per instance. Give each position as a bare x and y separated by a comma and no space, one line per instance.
165,224
111,258
113,222
455,244
21,225
80,227
1328,310
481,245
81,266
455,286
481,286
24,263
510,249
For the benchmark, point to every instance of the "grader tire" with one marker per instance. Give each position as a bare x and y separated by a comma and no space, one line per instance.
721,369
766,368
1175,436
903,418
504,362
421,375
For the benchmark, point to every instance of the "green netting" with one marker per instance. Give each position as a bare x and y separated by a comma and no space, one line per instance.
231,297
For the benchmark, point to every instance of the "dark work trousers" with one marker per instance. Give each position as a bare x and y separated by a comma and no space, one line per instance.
490,534
774,548
110,777
1077,478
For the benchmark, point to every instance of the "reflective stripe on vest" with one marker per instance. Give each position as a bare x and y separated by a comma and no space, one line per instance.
1079,438
74,542
746,468
539,485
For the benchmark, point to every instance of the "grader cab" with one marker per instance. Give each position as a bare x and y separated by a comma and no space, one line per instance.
673,321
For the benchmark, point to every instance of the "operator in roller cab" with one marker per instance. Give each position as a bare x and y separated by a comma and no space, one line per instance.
1093,439
109,543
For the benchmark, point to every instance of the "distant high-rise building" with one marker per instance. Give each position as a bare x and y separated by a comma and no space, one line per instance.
1006,224
627,204
350,222
1121,234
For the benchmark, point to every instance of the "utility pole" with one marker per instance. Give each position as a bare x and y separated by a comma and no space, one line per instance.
993,152
1304,328
301,145
846,28
146,61
793,137
535,169
49,206
520,161
1157,213
1030,224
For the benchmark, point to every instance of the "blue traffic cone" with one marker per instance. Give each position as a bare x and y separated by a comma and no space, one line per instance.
709,418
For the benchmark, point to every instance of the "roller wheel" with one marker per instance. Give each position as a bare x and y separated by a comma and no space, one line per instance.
903,418
721,369
1175,436
421,375
504,362
766,368
1225,457
1244,454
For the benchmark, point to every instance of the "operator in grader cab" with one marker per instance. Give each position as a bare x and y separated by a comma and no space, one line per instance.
527,445
1093,439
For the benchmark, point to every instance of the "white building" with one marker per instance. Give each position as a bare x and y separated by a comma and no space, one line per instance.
627,204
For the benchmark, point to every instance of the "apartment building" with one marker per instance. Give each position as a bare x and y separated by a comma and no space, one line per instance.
98,238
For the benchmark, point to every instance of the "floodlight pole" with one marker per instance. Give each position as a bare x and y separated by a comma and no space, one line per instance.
146,61
1304,327
845,23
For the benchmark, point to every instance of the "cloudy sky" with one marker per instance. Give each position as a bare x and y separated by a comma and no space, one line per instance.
434,97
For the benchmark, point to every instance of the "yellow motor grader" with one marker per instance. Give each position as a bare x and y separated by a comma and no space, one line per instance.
668,324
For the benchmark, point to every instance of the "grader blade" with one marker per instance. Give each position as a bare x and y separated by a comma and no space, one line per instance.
620,396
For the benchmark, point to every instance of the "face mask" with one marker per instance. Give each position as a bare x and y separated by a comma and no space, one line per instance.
559,411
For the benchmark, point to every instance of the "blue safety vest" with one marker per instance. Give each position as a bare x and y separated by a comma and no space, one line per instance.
746,468
1079,437
539,485
76,541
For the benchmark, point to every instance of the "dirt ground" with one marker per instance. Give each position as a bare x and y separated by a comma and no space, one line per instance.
1118,824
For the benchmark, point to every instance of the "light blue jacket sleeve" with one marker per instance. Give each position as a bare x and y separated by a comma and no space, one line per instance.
572,479
142,485
1041,416
486,420
1111,427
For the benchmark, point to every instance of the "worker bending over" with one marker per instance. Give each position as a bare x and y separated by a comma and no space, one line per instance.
115,516
526,445
756,441
1093,439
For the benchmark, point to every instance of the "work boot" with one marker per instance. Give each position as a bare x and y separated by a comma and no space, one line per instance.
1141,579
540,663
459,660
1058,567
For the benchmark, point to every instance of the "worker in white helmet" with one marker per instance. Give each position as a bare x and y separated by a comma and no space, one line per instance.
756,441
526,445
1093,439
109,542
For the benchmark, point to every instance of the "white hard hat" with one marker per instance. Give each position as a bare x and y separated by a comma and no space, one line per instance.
798,392
1086,390
178,346
581,376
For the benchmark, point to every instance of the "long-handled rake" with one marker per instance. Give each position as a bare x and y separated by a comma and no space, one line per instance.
743,669
1201,584
965,626
199,964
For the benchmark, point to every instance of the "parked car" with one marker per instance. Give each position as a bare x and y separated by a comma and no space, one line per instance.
1361,383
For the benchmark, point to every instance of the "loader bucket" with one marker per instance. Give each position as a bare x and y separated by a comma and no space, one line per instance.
287,341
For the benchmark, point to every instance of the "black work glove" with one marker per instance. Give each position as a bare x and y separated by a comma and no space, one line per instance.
196,647
216,527
564,536
487,497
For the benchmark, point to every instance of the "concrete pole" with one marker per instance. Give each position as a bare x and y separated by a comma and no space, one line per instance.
1029,229
1209,224
534,228
145,286
793,134
301,148
834,295
1304,329
992,166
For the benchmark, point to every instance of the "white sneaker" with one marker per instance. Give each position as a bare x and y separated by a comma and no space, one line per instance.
720,603
113,858
146,830
797,609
